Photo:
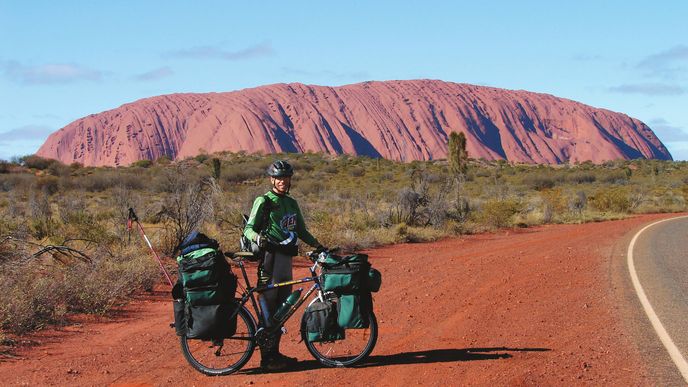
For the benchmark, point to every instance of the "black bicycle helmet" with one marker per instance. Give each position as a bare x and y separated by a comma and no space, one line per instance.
280,168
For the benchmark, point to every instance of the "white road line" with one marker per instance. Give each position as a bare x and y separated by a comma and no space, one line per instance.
674,352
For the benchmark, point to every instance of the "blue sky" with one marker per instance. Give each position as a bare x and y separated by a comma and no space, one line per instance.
62,60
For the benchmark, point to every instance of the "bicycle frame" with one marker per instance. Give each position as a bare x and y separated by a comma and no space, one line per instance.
249,294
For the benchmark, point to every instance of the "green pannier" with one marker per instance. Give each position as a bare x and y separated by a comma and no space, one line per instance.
353,310
210,321
206,277
320,323
204,306
345,274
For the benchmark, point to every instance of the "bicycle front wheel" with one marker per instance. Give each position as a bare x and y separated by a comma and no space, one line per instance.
355,347
222,357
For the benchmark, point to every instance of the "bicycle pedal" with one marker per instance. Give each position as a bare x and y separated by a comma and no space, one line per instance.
284,330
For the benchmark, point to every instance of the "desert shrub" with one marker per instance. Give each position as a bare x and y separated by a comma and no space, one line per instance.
33,296
30,301
357,171
235,173
48,184
556,199
615,199
187,206
201,158
98,288
581,177
4,166
498,213
163,160
37,162
59,169
308,186
616,177
19,181
578,202
142,163
539,181
331,169
41,222
103,180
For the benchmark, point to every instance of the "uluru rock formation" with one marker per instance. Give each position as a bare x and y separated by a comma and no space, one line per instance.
399,120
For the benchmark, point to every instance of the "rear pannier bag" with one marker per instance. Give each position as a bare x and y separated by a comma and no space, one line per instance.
353,310
210,321
345,274
321,322
205,306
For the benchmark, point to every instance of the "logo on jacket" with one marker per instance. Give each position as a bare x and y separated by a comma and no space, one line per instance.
288,222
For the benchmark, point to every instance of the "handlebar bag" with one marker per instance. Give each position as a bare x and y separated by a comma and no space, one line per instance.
344,275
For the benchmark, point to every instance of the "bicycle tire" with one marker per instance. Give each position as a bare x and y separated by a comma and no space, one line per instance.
345,352
202,354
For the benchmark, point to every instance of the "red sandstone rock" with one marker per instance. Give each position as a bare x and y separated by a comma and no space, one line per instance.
399,120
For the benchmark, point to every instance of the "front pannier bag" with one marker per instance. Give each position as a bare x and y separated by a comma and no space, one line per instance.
353,310
321,322
352,279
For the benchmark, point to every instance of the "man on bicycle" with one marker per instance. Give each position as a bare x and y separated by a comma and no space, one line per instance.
274,225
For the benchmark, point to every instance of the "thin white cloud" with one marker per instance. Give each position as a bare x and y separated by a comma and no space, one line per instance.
216,52
666,64
667,132
587,58
51,73
154,75
26,133
45,116
654,89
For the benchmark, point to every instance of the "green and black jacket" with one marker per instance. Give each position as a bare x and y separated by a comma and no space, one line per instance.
284,217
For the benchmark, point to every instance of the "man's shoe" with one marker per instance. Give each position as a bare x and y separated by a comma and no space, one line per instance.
286,359
277,362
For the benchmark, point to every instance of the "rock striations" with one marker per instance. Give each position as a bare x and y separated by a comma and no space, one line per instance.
399,120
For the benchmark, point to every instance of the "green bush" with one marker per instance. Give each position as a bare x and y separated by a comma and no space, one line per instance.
581,177
4,166
539,181
142,163
498,213
37,162
615,199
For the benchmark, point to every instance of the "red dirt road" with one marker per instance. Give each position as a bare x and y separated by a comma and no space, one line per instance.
540,306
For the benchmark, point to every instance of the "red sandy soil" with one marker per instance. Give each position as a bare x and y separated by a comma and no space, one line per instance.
539,306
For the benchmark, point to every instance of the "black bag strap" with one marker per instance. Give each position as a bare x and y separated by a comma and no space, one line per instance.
267,209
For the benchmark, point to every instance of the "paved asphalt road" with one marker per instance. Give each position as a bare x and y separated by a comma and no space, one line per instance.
660,257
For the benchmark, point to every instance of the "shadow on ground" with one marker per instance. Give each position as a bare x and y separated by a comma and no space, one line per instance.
419,357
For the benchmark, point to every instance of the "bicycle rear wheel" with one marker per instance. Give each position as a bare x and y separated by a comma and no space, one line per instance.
225,356
355,347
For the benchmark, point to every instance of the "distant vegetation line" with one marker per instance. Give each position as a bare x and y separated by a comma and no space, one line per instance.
353,202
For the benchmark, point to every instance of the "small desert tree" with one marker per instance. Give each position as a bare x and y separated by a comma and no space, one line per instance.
188,205
458,165
217,168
